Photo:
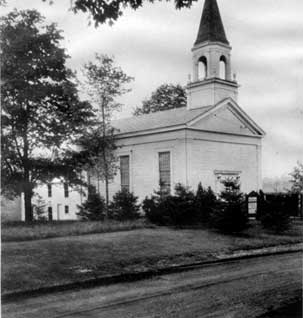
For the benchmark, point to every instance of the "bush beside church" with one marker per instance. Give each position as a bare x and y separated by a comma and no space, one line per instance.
227,213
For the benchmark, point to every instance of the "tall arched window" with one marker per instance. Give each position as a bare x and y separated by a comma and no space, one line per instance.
223,65
202,68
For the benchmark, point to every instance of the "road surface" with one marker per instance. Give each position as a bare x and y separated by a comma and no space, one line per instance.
246,288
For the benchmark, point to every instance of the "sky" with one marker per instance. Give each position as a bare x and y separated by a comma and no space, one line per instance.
153,44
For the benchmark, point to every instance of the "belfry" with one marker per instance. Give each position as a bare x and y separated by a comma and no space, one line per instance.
211,57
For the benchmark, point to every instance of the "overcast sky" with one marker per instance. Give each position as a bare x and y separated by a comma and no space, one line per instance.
153,45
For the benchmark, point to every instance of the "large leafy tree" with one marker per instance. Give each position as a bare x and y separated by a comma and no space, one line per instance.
102,11
166,96
41,110
297,178
104,82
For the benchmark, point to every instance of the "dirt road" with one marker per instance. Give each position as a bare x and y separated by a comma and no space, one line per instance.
246,288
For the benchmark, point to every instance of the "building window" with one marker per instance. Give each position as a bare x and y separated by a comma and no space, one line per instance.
65,190
223,67
49,190
66,209
164,172
202,68
124,172
50,213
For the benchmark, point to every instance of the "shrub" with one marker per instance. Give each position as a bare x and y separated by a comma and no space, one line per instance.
229,217
124,206
178,209
273,215
154,209
157,208
93,209
205,201
181,206
260,204
290,202
230,213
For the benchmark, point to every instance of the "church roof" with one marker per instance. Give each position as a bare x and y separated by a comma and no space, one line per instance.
177,118
161,119
211,26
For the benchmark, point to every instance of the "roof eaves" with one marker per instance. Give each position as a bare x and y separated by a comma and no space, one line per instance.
250,121
225,133
242,113
150,131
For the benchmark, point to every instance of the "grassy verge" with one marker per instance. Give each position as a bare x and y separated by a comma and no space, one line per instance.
39,263
19,231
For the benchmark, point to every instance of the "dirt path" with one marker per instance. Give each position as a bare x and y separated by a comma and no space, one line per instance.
247,288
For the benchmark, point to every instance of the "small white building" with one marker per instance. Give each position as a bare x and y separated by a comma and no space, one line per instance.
59,200
209,140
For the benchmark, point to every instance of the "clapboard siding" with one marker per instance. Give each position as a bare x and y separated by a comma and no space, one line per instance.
206,157
195,155
144,166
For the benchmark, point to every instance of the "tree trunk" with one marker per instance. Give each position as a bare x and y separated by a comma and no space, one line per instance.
104,157
28,192
106,192
98,182
27,186
106,180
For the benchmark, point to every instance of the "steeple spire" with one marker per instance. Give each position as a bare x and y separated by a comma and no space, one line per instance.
211,55
211,27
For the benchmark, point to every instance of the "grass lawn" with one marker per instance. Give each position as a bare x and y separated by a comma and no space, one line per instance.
39,263
20,231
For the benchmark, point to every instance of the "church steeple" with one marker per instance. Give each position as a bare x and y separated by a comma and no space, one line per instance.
211,27
212,76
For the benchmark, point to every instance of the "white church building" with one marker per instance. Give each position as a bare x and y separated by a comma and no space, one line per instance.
210,139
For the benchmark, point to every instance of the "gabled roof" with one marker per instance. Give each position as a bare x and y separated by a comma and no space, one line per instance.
211,27
238,111
162,119
178,118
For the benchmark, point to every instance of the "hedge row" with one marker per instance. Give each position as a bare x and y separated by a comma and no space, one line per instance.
228,212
